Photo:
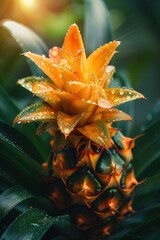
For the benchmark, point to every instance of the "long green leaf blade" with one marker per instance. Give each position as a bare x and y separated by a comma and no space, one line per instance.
10,198
11,136
30,225
24,169
97,29
27,40
7,108
8,112
147,150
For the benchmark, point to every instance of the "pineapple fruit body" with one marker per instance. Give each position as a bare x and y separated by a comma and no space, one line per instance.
94,183
91,174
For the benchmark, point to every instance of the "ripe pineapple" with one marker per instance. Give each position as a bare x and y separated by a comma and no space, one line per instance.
91,173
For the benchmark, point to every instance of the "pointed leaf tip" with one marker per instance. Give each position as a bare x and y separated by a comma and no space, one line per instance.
100,58
97,132
67,122
36,112
117,96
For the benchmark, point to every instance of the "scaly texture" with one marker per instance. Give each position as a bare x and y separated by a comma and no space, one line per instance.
91,173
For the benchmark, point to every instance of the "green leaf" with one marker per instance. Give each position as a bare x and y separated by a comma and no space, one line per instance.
32,224
147,151
23,167
20,142
8,109
10,198
27,40
149,186
134,226
97,27
8,112
120,79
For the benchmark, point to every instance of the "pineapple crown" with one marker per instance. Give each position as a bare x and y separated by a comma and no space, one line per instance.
76,97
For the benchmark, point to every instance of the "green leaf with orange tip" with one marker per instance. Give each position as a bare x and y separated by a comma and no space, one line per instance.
100,58
97,132
36,112
67,122
114,115
117,96
27,82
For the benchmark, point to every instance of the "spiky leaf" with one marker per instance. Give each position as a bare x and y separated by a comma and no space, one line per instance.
36,112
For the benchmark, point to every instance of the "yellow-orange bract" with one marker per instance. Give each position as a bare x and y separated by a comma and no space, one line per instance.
78,96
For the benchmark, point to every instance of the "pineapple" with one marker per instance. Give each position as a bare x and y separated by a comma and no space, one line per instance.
90,166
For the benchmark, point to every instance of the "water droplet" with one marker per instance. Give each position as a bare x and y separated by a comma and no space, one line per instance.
121,92
35,224
103,103
128,97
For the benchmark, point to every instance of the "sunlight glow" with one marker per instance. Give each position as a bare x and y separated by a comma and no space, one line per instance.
28,4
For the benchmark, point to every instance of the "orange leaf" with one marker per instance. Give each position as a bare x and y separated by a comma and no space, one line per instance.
71,104
114,115
108,75
100,58
79,66
117,96
72,44
48,67
97,132
67,122
47,92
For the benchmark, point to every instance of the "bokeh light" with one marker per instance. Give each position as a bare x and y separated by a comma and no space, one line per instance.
28,4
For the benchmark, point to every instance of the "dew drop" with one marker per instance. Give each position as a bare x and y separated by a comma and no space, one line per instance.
103,103
128,97
121,92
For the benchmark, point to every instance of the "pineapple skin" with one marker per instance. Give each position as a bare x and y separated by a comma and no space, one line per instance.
94,184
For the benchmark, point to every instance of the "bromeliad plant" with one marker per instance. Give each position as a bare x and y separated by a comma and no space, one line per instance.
86,186
90,168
